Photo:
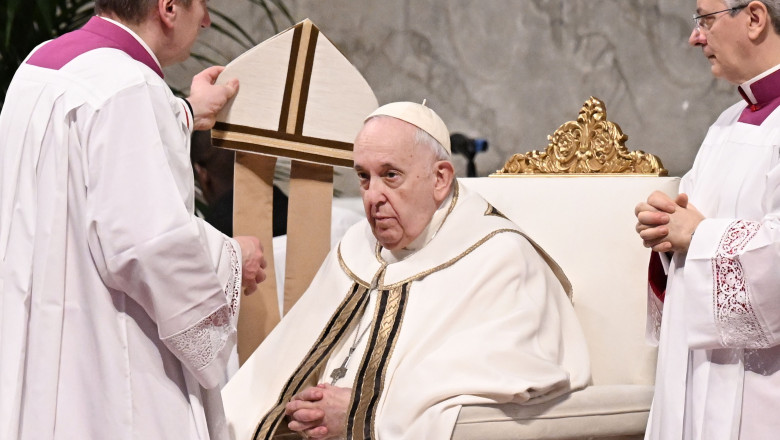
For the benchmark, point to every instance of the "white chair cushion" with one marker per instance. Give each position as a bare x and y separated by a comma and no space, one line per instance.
599,411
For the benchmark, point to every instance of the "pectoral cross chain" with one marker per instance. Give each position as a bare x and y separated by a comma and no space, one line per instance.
340,372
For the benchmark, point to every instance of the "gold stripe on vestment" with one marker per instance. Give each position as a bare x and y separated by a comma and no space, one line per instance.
455,195
370,380
491,210
348,312
556,269
454,260
351,274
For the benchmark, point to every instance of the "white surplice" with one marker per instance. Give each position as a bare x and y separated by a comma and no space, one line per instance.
483,319
117,305
719,361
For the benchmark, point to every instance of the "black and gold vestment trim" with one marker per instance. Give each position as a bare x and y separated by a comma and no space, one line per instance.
370,379
307,374
491,210
454,260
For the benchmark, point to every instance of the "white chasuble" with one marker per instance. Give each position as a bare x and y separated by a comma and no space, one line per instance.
475,316
117,305
719,360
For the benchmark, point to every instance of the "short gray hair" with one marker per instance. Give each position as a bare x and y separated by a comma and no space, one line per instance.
772,6
423,138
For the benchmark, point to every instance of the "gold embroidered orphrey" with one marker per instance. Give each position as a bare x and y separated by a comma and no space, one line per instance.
346,315
388,317
590,145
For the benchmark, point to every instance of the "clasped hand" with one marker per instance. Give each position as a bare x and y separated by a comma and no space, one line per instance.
667,225
319,412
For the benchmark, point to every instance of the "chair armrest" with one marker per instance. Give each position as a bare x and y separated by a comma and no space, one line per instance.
596,411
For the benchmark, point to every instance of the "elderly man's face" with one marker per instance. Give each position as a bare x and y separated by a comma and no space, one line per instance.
397,181
723,42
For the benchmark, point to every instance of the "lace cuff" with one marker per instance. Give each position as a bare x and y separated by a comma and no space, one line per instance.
200,344
233,285
735,317
655,309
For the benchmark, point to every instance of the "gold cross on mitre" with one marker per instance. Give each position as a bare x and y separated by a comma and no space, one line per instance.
300,98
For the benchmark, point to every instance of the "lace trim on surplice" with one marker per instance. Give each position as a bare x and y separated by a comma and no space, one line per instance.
654,317
233,286
734,315
201,343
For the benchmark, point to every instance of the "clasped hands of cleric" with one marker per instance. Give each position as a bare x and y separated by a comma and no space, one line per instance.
667,225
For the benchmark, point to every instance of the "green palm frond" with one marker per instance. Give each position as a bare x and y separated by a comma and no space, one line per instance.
271,16
229,28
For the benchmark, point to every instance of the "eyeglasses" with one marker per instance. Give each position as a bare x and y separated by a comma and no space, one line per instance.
705,21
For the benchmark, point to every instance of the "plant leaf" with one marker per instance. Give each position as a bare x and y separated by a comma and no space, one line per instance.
233,25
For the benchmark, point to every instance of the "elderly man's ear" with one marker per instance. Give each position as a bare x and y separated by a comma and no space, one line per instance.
445,174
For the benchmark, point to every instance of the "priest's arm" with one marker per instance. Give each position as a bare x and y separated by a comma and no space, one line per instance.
145,241
731,281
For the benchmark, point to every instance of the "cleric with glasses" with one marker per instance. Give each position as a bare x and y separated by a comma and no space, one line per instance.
704,21
713,273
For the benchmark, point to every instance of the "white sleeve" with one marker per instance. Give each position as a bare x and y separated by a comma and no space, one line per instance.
225,255
142,237
732,280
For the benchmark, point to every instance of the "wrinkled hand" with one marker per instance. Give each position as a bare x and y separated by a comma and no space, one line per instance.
319,412
207,98
667,225
252,262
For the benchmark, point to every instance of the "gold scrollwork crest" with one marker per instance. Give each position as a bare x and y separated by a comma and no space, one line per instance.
590,145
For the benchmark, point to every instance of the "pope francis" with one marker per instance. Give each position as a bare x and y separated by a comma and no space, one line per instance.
435,301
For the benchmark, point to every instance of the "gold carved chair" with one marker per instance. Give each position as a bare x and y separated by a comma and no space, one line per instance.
576,199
